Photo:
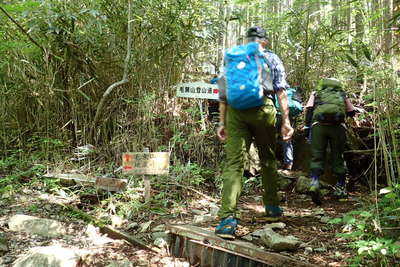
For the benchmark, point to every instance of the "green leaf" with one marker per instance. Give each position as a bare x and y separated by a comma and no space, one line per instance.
351,60
83,94
335,221
365,214
351,235
391,195
367,52
349,219
361,227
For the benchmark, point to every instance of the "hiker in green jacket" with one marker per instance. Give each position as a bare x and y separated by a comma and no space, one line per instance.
326,110
238,128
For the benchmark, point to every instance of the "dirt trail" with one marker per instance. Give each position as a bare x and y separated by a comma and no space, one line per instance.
302,218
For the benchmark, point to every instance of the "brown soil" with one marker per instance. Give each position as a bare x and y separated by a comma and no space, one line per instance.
301,216
303,220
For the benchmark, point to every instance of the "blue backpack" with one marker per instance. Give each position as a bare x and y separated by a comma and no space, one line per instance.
247,75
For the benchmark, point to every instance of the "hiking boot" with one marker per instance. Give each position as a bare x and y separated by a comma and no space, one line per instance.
315,191
227,228
340,192
273,212
288,166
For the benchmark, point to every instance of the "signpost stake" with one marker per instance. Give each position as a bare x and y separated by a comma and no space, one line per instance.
147,188
146,182
203,119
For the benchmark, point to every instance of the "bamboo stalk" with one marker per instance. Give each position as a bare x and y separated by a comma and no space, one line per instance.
116,84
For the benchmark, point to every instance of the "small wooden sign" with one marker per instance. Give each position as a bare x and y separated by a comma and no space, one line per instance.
145,163
106,183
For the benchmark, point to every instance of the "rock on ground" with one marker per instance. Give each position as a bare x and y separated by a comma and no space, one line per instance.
302,184
35,225
124,263
278,242
53,256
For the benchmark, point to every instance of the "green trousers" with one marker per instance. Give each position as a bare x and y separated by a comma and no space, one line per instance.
321,136
242,128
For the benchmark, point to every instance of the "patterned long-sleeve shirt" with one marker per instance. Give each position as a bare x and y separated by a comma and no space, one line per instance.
278,71
278,75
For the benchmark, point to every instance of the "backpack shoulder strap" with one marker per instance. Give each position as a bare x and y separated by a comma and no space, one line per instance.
259,67
266,59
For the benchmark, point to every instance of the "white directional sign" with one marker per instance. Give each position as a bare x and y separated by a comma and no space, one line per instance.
197,90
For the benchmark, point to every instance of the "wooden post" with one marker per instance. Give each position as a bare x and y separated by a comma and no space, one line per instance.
146,182
203,119
147,188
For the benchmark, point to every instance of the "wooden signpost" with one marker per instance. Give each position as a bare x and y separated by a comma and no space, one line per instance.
145,163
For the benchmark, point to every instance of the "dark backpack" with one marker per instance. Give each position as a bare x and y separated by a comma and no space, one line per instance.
329,105
294,102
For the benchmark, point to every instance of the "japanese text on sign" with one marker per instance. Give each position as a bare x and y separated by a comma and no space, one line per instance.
198,90
145,163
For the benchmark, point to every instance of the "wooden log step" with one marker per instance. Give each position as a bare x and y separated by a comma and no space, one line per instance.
203,248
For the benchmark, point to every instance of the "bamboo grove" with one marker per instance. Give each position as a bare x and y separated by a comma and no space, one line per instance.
59,57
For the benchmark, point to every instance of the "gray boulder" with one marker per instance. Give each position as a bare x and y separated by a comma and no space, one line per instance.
53,256
35,225
278,242
124,263
302,184
203,218
278,225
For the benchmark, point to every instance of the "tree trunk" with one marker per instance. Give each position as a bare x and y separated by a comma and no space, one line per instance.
275,10
349,21
388,34
396,11
335,6
100,106
359,41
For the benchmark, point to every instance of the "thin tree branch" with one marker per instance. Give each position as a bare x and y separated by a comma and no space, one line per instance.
116,84
21,29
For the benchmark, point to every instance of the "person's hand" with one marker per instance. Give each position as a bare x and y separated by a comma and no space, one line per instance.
221,133
286,131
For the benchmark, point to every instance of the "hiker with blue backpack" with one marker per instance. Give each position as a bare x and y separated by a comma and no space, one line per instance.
252,76
326,111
